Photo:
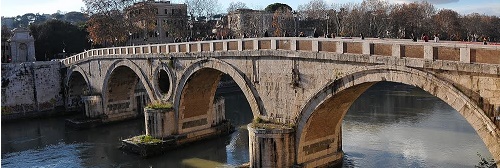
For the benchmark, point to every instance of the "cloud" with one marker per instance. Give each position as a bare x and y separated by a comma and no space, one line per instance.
487,9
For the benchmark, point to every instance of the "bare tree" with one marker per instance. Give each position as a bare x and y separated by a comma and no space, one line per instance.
315,9
379,18
254,25
283,22
480,26
339,15
376,17
198,8
107,24
353,21
411,18
447,25
236,5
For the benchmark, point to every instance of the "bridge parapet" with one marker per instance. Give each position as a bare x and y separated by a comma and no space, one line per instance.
451,51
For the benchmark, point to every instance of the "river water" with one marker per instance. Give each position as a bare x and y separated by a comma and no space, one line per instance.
390,125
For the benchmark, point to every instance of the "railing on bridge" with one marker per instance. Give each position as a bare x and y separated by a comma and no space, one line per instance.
452,51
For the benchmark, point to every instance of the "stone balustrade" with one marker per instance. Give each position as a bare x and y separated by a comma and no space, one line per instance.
453,51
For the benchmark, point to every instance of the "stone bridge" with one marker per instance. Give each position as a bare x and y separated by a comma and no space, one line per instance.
298,88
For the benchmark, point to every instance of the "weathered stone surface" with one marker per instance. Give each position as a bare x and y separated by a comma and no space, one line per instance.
159,123
31,89
271,147
295,82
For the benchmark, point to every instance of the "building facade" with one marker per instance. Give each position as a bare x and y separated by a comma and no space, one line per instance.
255,23
169,23
249,22
22,46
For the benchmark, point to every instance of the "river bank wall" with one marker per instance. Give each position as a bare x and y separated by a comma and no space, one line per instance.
31,89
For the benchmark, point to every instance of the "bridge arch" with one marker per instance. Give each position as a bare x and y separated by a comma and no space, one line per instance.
213,68
317,125
77,84
126,78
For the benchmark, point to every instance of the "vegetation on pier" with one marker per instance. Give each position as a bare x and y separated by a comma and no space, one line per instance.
160,105
147,139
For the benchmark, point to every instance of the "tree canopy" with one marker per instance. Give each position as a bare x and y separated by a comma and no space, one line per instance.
55,36
275,6
108,24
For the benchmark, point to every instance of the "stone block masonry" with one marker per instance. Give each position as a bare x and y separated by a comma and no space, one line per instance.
31,89
299,82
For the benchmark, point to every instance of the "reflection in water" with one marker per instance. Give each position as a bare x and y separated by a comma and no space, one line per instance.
384,128
51,155
395,125
48,143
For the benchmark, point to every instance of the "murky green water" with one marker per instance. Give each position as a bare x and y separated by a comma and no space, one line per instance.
384,128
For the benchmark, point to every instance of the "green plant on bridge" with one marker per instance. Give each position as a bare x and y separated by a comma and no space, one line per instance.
265,124
257,120
159,105
171,63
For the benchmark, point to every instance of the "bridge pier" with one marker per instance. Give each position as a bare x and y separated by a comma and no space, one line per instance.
159,122
271,147
93,113
93,106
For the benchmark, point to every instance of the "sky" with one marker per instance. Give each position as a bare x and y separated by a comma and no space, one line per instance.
10,8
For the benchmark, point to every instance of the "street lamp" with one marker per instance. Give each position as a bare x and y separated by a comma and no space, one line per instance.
295,22
91,43
191,28
158,36
64,53
191,19
327,20
130,38
337,19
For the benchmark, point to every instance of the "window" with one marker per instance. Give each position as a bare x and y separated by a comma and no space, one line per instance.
166,11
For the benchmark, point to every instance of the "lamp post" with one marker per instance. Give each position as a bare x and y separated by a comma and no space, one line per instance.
191,29
191,19
337,19
327,21
130,38
295,22
91,43
158,37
